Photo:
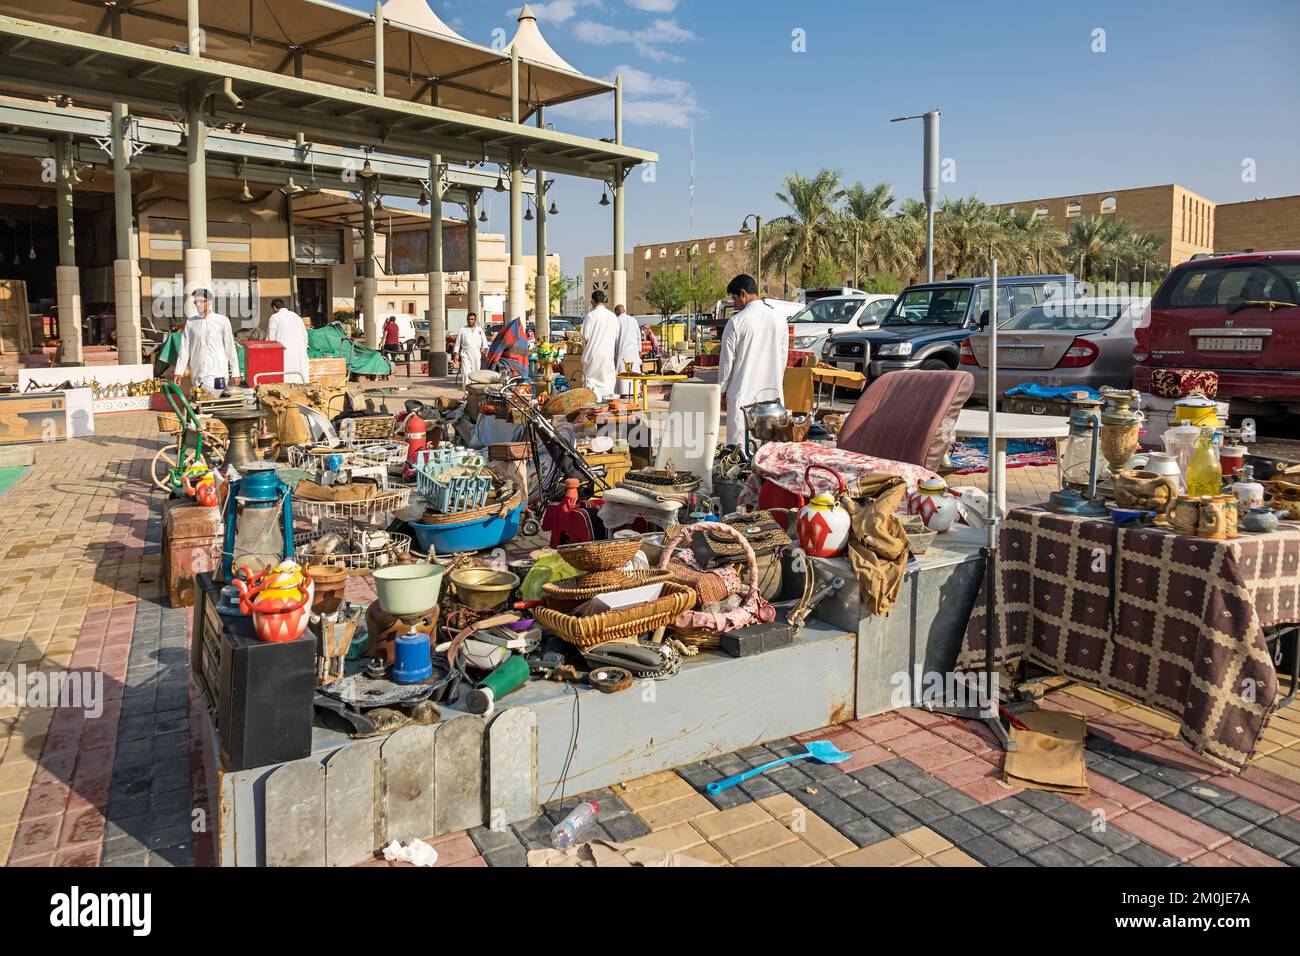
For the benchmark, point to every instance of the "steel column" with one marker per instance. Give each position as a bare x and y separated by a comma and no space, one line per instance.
369,298
541,292
437,275
516,301
473,298
67,276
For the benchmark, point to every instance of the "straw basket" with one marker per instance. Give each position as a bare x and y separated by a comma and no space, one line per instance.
622,623
566,403
368,427
567,594
600,555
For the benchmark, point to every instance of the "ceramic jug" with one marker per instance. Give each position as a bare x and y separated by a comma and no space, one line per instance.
931,500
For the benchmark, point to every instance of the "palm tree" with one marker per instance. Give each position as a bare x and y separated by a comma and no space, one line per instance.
967,234
807,234
1033,244
871,227
1091,243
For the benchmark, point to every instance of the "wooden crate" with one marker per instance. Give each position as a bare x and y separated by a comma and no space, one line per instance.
614,464
191,545
328,371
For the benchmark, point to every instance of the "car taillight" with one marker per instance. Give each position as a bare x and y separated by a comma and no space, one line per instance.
968,354
1081,352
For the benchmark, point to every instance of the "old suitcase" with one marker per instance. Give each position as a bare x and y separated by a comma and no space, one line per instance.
191,545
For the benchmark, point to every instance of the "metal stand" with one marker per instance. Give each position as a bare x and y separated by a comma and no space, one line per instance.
992,522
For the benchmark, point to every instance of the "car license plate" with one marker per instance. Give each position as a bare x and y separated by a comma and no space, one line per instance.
1016,355
1229,344
847,366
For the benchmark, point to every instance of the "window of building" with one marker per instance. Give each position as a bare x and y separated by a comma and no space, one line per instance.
318,246
663,253
695,249
1040,211
647,275
647,255
713,247
1073,209
731,245
677,253
1108,205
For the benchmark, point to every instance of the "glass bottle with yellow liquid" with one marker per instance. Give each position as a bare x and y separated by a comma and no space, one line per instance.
1204,476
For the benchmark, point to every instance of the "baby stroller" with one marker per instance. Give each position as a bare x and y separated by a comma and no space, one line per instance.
562,459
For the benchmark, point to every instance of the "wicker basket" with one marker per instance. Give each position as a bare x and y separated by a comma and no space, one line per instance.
369,427
486,511
567,594
566,403
625,622
600,555
398,545
169,424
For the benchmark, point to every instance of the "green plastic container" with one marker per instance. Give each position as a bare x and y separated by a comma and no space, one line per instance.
408,589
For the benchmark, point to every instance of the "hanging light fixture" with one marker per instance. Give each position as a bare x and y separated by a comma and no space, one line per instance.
482,216
554,210
528,214
604,197
31,241
500,186
423,201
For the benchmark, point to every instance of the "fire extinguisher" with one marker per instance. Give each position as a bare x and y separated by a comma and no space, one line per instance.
416,432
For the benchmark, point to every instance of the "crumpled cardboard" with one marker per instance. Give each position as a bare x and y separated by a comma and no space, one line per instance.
1049,754
607,853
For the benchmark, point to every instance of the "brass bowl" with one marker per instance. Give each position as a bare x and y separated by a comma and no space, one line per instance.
482,589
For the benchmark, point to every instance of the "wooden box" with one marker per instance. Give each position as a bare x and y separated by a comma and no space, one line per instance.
612,465
191,545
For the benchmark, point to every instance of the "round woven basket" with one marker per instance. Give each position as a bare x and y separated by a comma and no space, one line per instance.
567,594
566,403
600,555
486,511
614,625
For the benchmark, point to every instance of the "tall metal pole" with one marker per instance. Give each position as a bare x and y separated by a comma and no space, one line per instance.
997,503
193,32
542,290
618,272
437,275
758,251
369,296
67,276
516,280
379,49
473,298
930,186
126,264
291,235
198,258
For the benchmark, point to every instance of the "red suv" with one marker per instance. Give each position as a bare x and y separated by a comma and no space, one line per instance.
1238,315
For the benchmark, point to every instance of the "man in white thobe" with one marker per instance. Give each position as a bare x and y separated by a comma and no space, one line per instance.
628,348
754,348
208,347
470,344
599,348
288,328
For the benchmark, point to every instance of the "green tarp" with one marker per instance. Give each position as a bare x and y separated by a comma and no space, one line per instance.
332,342
329,342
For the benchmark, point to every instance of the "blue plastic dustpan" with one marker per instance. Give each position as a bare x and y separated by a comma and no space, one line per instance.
822,750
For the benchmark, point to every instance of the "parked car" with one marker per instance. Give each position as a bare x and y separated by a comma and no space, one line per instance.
1237,315
928,322
835,315
1063,342
808,296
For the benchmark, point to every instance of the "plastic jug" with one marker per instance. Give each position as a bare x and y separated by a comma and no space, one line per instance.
1181,442
1204,476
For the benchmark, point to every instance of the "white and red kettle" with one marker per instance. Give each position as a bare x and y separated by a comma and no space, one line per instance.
823,524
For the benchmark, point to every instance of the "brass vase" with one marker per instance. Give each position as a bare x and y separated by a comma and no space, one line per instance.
1120,426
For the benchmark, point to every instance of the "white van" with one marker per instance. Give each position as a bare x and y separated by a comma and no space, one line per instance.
834,315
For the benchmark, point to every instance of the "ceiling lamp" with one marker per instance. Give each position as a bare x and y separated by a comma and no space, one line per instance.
482,216
604,198
528,214
553,211
500,186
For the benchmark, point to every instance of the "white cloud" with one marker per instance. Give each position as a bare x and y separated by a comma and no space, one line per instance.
653,6
646,40
648,100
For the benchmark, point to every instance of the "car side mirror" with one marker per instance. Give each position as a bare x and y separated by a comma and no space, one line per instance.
864,320
984,319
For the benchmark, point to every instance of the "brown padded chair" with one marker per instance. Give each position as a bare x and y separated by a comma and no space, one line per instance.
908,416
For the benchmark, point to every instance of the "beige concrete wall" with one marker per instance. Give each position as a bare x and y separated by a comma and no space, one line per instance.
1183,220
1258,225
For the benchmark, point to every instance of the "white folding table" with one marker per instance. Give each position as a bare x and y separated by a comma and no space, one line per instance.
974,423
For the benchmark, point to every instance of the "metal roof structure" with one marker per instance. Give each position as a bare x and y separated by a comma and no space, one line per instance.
57,60
424,60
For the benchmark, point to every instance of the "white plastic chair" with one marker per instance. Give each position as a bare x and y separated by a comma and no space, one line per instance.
689,430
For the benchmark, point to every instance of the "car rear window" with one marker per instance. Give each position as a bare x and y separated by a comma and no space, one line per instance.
1211,286
1065,317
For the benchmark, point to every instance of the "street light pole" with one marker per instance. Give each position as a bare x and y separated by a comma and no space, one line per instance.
929,180
758,246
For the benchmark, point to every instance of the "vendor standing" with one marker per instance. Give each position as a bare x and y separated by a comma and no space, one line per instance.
628,348
754,348
288,328
207,347
599,348
470,344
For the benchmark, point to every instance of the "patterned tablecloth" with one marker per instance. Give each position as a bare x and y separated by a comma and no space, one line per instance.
1176,622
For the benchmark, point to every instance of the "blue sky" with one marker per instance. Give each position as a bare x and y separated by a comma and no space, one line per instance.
1184,92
